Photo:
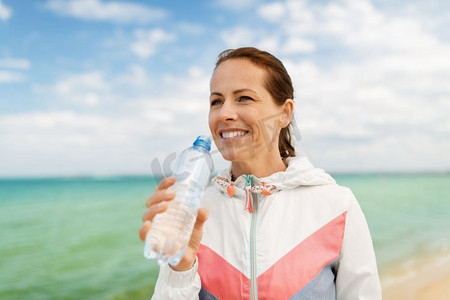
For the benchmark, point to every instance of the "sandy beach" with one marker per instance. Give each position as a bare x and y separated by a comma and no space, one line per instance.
430,281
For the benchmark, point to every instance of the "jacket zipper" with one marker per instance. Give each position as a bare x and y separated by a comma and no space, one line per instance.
253,265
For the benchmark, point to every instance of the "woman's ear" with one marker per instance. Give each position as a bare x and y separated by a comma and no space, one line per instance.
286,113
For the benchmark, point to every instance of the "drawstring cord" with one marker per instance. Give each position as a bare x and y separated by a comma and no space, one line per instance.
248,194
249,189
265,189
230,190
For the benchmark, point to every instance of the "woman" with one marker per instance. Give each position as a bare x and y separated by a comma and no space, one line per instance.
278,228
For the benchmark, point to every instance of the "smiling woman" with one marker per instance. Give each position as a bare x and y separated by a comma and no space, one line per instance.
278,228
239,101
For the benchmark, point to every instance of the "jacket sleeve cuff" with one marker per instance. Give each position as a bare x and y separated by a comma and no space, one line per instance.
178,279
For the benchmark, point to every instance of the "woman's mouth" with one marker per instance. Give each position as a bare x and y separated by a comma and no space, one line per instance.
229,134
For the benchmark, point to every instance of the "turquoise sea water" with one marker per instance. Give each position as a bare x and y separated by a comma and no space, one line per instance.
74,239
408,215
77,238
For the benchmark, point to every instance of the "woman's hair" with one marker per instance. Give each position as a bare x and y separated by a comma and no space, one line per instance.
277,82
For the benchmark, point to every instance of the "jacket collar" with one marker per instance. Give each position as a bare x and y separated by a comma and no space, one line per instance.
300,172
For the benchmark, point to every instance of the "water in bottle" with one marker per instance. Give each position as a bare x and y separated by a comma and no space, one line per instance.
171,230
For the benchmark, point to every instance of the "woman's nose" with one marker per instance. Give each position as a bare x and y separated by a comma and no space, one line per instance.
227,112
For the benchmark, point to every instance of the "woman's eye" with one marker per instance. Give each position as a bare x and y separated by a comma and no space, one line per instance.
244,98
216,102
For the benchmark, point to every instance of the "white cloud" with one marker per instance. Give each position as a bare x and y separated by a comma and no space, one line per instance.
10,76
69,143
372,92
83,89
357,25
238,37
357,116
14,63
112,11
298,45
136,76
361,26
92,80
186,95
301,18
147,41
269,43
272,12
13,67
342,93
384,93
5,12
123,135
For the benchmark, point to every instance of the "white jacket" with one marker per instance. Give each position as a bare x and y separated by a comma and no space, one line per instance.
297,235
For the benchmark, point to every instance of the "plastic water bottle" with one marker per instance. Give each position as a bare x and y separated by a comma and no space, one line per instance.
171,230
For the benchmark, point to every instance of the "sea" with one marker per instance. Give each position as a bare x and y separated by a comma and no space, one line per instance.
77,238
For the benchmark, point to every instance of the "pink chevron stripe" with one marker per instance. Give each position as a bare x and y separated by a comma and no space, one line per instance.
298,267
219,277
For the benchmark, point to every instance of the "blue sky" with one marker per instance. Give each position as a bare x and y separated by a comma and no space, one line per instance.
96,87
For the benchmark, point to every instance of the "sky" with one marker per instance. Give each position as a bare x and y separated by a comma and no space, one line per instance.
97,87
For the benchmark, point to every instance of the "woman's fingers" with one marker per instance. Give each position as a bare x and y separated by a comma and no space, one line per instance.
144,229
154,209
165,183
159,196
156,203
162,193
197,232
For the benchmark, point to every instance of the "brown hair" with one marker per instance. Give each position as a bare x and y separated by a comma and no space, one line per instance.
278,83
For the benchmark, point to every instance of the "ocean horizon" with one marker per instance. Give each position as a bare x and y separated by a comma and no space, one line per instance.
100,176
77,236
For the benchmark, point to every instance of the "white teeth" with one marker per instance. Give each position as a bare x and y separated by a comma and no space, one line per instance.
231,134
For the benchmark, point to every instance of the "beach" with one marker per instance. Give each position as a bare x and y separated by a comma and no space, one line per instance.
431,281
437,290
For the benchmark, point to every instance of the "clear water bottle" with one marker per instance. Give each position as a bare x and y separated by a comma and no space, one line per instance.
171,230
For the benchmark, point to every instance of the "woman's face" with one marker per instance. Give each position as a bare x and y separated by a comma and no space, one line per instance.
243,117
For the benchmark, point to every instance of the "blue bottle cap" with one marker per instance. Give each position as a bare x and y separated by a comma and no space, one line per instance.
203,141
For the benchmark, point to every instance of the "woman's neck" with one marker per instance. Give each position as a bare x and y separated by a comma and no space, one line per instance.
259,169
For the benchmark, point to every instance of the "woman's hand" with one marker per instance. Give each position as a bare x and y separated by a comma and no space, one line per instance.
157,203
